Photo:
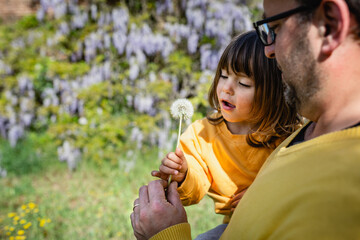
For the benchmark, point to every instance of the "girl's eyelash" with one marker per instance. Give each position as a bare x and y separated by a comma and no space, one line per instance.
223,76
244,85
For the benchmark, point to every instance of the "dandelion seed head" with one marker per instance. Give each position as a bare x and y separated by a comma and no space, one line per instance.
182,107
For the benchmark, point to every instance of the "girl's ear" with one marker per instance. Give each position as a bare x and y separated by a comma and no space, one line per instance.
333,24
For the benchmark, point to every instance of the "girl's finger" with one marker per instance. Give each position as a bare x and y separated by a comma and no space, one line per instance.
160,175
155,173
167,170
171,164
173,157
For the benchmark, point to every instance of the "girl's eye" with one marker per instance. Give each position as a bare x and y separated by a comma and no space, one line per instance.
223,76
244,85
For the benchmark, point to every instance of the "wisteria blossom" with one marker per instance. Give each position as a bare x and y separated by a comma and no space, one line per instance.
69,154
115,45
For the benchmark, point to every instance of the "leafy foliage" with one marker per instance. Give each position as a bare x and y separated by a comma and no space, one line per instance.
99,78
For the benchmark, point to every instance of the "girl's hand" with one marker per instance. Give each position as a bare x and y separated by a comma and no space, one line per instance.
173,164
236,199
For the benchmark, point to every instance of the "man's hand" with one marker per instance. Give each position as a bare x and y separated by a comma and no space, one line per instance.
153,213
236,198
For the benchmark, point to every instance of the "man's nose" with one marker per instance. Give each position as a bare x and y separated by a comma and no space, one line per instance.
270,51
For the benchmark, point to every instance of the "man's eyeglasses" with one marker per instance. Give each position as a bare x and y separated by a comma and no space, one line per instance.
266,33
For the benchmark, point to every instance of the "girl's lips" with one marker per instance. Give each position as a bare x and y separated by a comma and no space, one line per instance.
226,105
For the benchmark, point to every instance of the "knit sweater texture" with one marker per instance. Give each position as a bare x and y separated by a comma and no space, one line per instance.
307,191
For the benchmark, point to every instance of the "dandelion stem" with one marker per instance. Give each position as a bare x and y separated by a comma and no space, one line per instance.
178,138
178,142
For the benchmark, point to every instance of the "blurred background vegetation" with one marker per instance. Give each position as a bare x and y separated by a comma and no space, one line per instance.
84,107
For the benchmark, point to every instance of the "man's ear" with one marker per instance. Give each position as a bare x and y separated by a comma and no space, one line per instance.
334,23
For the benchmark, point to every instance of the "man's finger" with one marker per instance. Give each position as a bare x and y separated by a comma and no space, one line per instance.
143,196
156,190
173,195
235,203
240,190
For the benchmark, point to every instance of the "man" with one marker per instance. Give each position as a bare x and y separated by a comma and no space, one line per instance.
309,188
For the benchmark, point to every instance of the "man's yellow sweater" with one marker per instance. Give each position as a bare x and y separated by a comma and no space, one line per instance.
307,191
219,164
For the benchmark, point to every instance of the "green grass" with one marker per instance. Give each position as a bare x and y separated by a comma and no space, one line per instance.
90,203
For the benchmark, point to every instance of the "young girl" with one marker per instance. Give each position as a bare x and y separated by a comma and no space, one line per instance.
220,155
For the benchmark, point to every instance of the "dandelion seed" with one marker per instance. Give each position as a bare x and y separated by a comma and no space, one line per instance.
182,108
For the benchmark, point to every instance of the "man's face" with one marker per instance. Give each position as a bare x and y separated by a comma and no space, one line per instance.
293,52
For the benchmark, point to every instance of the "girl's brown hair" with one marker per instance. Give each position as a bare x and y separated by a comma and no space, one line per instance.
273,116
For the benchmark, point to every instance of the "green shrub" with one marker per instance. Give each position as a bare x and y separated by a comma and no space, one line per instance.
27,22
32,154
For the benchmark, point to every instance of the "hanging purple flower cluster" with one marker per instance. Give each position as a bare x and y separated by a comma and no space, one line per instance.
203,34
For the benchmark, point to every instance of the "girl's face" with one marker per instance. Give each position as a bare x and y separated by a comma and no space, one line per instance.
236,95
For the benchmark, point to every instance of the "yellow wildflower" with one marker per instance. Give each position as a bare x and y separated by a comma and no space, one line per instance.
8,233
22,221
21,232
20,238
27,210
11,229
6,228
12,214
23,207
12,238
32,205
36,210
26,226
42,222
16,218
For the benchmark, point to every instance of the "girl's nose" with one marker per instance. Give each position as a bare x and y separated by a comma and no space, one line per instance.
228,87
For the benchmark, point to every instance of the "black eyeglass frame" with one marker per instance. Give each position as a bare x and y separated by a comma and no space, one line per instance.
278,17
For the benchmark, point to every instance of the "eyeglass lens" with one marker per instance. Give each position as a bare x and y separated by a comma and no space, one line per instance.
266,34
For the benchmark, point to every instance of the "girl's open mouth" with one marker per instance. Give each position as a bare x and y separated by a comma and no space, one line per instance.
227,106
